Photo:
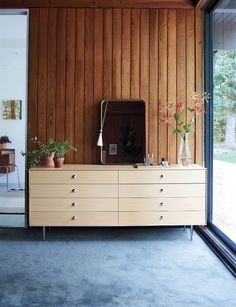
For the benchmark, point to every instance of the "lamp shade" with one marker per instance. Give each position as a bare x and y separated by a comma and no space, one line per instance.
100,141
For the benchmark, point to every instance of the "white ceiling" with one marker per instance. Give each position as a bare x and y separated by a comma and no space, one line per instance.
13,40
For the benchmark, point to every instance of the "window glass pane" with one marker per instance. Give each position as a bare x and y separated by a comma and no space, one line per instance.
224,118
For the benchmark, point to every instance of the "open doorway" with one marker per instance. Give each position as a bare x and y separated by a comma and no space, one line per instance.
13,115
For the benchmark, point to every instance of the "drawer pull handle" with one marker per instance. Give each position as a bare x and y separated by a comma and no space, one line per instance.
161,217
161,190
73,176
74,218
74,204
161,204
162,176
73,190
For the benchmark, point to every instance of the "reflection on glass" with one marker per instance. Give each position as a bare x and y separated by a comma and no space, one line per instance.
123,128
224,108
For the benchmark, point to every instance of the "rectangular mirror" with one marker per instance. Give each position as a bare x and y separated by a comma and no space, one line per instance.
122,137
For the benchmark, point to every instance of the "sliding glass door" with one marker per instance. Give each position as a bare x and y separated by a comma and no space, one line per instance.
223,120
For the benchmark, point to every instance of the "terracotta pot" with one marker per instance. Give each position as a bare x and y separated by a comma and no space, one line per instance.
59,162
47,161
3,145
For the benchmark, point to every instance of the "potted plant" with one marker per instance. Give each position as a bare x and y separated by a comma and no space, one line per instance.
42,155
4,140
60,149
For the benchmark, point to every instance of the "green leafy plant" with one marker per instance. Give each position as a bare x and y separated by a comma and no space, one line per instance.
128,141
41,150
60,149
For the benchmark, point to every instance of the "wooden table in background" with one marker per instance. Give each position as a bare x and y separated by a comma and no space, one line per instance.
7,156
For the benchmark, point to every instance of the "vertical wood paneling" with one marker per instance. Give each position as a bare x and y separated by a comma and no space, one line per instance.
107,57
33,76
116,55
181,64
70,79
61,74
190,71
172,43
163,77
199,82
42,74
78,57
52,65
144,68
135,53
98,76
126,41
79,85
153,79
89,83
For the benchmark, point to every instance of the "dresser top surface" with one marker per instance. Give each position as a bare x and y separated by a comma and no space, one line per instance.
99,167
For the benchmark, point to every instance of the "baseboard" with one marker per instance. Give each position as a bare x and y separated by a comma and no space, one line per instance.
226,255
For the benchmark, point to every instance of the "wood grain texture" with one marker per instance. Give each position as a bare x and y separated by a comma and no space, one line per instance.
52,66
181,64
126,53
153,83
78,57
163,79
79,85
144,67
199,82
172,78
70,79
61,74
88,85
33,76
42,74
98,75
97,3
135,53
190,72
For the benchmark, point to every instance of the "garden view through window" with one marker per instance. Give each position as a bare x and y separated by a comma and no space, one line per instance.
224,120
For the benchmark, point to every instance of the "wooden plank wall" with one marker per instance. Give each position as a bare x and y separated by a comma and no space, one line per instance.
78,57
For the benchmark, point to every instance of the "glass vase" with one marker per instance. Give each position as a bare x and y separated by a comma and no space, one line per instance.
184,153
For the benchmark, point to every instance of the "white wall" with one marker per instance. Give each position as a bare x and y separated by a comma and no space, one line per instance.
13,32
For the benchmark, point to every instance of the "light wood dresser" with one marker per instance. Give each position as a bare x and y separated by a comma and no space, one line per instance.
105,195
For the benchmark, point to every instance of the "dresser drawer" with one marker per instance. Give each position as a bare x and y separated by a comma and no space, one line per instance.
72,177
74,204
73,191
73,218
162,218
161,204
163,176
162,190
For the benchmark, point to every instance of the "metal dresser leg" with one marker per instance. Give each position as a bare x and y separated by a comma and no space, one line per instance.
44,235
191,232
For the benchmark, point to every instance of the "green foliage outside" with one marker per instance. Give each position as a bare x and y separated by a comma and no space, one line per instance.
224,92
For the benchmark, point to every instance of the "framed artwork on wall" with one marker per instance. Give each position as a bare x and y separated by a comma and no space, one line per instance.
12,109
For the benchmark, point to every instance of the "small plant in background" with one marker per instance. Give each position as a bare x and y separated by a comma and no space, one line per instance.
129,145
4,139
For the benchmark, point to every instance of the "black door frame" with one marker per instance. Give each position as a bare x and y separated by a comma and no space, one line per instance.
209,54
